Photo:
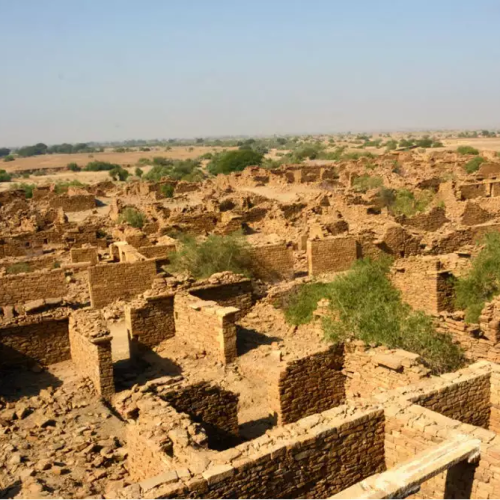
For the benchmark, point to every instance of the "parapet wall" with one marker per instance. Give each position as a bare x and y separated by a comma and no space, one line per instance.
206,327
20,288
90,343
331,254
34,339
424,285
125,280
151,320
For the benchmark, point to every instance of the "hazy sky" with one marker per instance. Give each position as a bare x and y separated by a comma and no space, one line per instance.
82,70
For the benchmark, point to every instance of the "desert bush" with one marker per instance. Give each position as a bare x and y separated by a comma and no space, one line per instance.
365,182
20,267
473,165
467,150
167,190
213,255
234,161
119,173
73,167
139,172
62,186
4,176
133,217
408,203
482,282
8,158
365,305
27,188
97,166
186,170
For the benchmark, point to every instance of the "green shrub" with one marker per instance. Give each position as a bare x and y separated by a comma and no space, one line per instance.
8,158
133,217
234,161
97,166
407,203
56,265
62,186
467,150
73,167
185,170
473,165
365,182
27,188
365,305
139,172
20,267
213,255
167,190
4,176
482,282
119,173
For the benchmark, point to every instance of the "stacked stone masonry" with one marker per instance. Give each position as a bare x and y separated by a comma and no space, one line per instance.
20,288
109,282
273,262
206,327
331,254
85,254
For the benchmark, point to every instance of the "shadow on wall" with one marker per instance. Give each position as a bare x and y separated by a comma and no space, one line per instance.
248,339
256,428
144,365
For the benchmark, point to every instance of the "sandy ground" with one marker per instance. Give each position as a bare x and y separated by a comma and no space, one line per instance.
124,159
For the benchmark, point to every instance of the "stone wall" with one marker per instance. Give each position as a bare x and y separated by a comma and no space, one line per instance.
73,203
424,284
371,371
151,320
466,399
85,254
237,295
276,466
273,262
331,254
470,191
214,408
20,288
33,339
157,251
206,327
311,385
109,282
90,343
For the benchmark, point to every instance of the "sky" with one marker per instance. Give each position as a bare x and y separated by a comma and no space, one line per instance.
103,70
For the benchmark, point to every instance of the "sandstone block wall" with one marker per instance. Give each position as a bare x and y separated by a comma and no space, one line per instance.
237,295
150,321
20,288
90,344
495,401
109,282
35,339
276,467
470,191
331,255
311,385
423,284
206,327
157,251
74,203
214,408
466,399
88,254
272,262
372,371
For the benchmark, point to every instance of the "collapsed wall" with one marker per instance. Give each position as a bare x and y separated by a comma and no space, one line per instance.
85,254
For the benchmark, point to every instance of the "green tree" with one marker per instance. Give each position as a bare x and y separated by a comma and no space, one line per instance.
4,176
467,150
73,167
139,172
8,158
234,161
4,152
119,174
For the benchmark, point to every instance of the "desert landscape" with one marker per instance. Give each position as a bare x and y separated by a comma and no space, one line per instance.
270,317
